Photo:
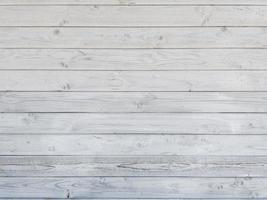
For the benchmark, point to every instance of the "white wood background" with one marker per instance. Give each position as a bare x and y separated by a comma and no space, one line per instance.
133,99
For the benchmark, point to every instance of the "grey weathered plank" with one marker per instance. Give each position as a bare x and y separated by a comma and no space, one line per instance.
155,123
104,102
133,145
134,59
183,37
133,2
189,166
134,199
133,187
133,16
178,147
133,81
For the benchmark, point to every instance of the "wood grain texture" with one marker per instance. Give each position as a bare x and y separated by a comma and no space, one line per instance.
139,123
125,145
133,99
133,59
133,2
183,37
124,102
126,199
133,81
133,16
185,166
133,187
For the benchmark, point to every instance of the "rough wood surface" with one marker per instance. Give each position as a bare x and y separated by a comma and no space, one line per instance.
124,199
133,99
133,16
131,123
185,166
98,145
182,37
133,2
124,102
133,81
133,59
133,187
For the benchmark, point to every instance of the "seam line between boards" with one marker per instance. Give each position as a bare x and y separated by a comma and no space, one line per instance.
133,5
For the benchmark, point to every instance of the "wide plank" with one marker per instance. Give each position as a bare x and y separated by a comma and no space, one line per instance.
133,59
133,187
138,145
132,2
132,123
182,37
133,81
189,166
125,102
133,16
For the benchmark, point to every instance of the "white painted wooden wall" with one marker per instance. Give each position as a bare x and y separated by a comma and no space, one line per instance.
133,99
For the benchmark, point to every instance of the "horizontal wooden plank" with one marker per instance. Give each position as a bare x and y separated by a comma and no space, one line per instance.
133,145
150,102
190,166
128,199
131,199
132,2
183,37
155,123
133,187
133,16
133,81
134,59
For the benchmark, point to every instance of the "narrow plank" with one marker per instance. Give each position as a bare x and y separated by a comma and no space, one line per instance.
123,102
130,199
133,145
133,16
134,199
133,59
183,37
133,81
133,2
133,187
139,123
189,166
